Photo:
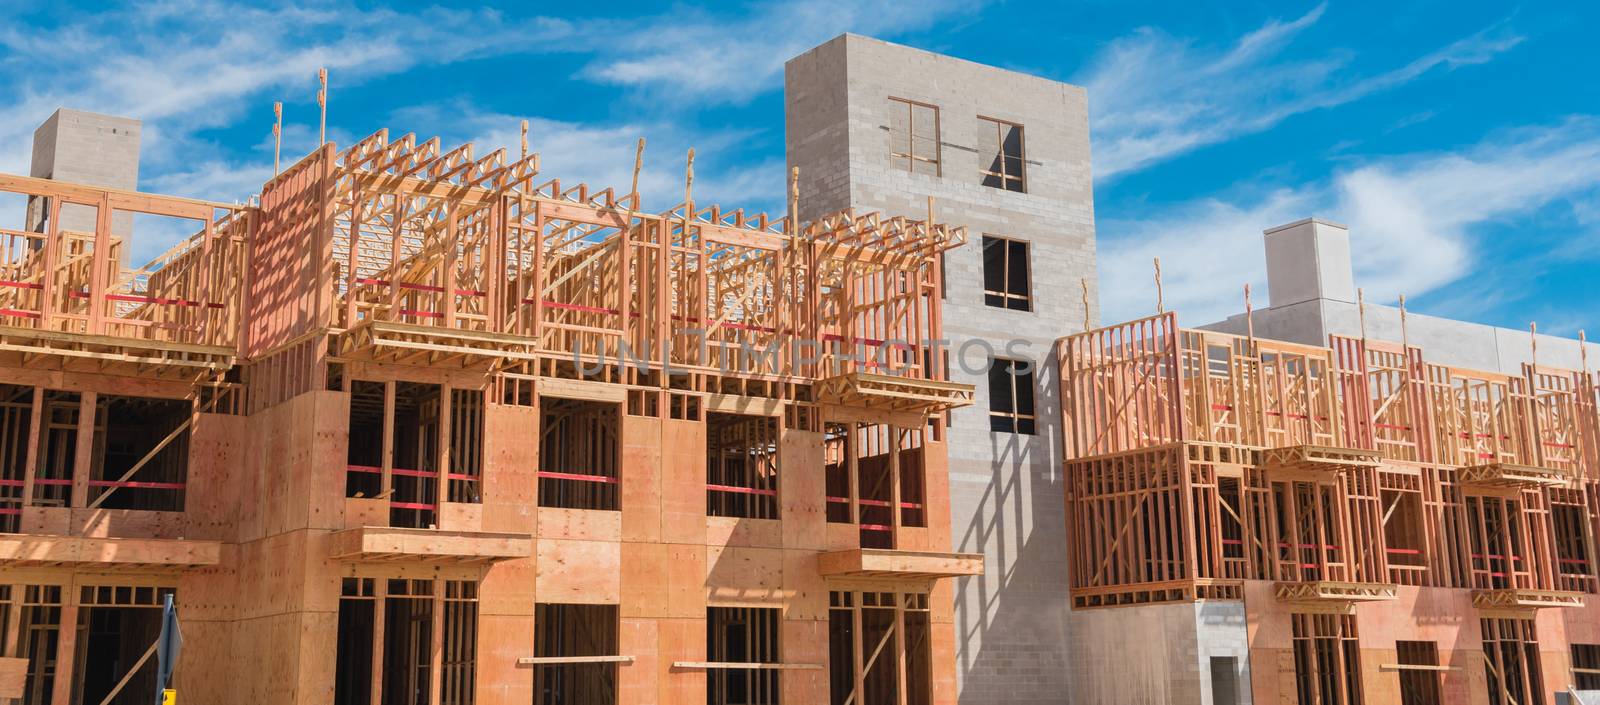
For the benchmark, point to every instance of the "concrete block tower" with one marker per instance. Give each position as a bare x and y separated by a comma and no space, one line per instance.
877,126
91,149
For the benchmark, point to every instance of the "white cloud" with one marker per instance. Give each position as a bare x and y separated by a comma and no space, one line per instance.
601,155
693,56
1153,96
1412,220
184,66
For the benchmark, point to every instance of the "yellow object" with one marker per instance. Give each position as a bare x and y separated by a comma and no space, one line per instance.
169,697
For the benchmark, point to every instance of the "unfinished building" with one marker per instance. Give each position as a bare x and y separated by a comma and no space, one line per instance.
880,126
1334,522
423,426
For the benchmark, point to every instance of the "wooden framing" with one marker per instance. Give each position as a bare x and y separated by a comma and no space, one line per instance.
430,392
67,301
1199,459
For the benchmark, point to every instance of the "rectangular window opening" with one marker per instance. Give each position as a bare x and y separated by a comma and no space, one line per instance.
1327,659
1586,666
1403,540
864,643
386,640
741,466
1001,155
578,449
1496,544
1224,680
1418,686
742,635
16,419
1006,274
575,631
39,630
1011,397
116,625
141,453
913,137
1511,662
466,445
1575,570
1233,553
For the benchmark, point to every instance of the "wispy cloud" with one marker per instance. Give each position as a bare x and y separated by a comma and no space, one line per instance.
184,66
716,59
1413,221
1154,96
602,154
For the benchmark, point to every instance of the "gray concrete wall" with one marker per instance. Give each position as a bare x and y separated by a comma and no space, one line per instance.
86,148
1006,489
1306,256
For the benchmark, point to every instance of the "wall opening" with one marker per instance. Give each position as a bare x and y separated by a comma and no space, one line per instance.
414,489
1234,563
1574,562
1511,662
1327,659
742,635
563,631
1419,682
578,454
16,418
358,607
872,636
39,632
117,628
365,454
1309,532
389,631
1404,541
401,424
741,466
1586,666
141,453
407,638
1224,680
466,446
58,440
872,471
1497,554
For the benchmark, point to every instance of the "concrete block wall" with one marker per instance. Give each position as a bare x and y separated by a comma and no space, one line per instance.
86,148
1006,489
1313,297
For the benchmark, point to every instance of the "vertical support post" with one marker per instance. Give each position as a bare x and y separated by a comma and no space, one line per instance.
380,594
352,271
436,648
52,255
31,471
322,103
83,454
446,457
11,646
388,440
860,638
277,137
901,645
99,269
452,238
896,437
66,645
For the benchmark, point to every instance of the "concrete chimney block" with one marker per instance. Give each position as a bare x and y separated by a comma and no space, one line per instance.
1309,259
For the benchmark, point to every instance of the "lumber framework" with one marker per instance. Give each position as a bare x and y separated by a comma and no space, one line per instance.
1199,460
345,372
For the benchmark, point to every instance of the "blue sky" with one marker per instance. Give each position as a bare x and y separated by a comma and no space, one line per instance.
1461,142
